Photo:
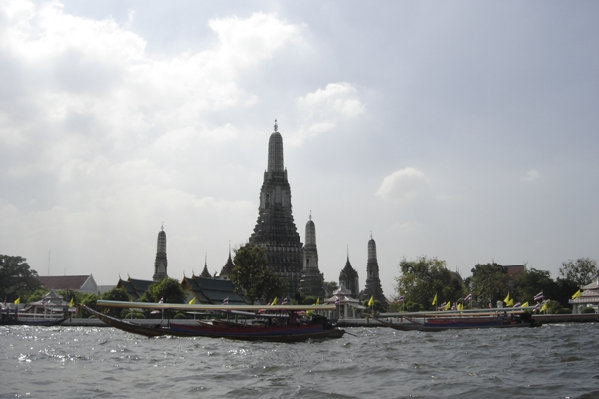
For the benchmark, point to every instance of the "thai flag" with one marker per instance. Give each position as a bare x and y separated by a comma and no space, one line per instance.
517,304
226,301
285,301
468,297
539,297
401,299
337,300
161,300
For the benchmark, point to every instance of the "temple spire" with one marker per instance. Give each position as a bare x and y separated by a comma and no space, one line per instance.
275,151
160,264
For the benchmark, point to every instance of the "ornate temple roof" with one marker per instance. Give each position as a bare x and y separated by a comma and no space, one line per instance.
211,290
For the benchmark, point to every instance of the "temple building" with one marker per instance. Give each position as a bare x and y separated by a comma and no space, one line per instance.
311,280
373,282
348,278
227,269
160,263
211,290
275,230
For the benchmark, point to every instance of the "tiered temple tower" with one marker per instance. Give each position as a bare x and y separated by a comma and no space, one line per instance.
312,280
160,263
348,278
373,282
275,229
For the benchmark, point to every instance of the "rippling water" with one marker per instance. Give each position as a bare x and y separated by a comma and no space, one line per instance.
552,361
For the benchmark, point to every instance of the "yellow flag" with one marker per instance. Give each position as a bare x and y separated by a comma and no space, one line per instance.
525,304
448,305
371,301
510,302
317,301
460,306
192,301
544,307
507,299
18,301
434,300
71,303
576,294
274,302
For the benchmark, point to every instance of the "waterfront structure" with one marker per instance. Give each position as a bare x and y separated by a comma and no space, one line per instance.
311,280
160,263
589,297
348,278
275,230
348,307
373,282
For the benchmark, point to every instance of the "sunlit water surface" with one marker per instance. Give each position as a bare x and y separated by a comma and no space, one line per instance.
552,361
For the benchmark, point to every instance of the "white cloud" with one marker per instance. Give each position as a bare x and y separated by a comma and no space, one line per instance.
531,174
402,185
324,109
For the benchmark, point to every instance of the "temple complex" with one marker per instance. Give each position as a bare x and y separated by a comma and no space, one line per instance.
373,282
160,263
348,278
311,280
275,230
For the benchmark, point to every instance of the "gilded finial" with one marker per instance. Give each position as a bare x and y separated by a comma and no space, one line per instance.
276,126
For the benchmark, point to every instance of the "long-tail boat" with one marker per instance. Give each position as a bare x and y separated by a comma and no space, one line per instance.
447,320
277,323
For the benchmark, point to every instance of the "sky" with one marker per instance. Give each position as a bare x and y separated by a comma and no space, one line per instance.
465,131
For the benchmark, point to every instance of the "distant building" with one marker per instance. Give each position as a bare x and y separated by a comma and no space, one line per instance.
275,229
211,290
160,263
80,283
373,282
134,287
514,271
311,280
348,278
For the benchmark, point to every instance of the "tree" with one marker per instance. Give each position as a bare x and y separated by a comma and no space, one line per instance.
582,271
167,289
488,284
17,279
421,280
253,277
532,282
115,294
330,287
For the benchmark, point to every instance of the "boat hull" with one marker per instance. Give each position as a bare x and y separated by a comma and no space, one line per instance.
224,330
459,323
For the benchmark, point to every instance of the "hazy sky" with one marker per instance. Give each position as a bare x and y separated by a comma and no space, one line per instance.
466,131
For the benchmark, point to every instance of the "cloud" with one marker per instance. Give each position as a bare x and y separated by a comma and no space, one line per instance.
324,109
402,185
95,89
531,174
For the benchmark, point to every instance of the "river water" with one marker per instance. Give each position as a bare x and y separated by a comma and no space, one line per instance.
552,361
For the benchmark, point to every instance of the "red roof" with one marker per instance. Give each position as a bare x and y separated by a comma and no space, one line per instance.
64,282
